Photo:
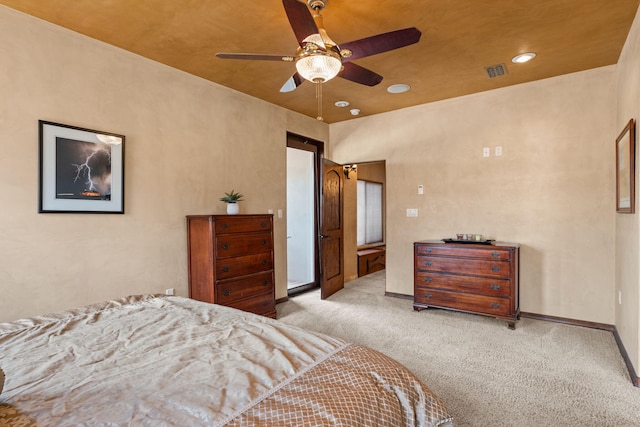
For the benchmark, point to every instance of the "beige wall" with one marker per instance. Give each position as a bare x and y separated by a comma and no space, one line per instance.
552,189
187,142
627,226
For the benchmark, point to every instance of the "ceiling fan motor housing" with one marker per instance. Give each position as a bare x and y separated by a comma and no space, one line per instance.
317,4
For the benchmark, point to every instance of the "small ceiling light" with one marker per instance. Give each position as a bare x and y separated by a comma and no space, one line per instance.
342,104
398,88
355,111
523,57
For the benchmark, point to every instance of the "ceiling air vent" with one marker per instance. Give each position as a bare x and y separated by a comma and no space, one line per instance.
496,71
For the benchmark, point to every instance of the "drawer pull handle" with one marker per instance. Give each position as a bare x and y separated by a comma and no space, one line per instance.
495,254
265,303
225,226
428,296
264,242
264,262
495,305
227,292
263,224
427,279
265,283
225,246
495,287
428,263
226,268
428,250
495,268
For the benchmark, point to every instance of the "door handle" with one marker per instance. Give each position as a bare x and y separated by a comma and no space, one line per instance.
323,236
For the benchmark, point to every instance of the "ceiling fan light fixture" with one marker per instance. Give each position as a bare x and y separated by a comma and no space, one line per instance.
319,66
523,57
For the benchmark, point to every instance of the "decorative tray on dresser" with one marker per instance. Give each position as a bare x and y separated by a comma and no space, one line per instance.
231,261
472,278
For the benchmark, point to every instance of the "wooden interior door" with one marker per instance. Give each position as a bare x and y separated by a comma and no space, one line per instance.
331,235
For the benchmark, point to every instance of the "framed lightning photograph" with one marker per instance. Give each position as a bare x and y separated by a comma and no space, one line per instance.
81,170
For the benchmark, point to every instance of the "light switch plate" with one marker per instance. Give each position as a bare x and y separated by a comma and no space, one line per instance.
486,152
412,212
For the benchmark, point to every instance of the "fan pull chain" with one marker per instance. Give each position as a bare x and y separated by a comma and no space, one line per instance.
319,98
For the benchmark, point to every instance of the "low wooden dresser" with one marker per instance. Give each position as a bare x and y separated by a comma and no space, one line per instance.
231,261
473,278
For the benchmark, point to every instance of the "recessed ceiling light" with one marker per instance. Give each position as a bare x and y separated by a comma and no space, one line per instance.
355,111
523,57
399,88
341,103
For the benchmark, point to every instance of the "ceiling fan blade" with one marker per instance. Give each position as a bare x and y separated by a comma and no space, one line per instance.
381,43
291,84
300,19
256,56
359,74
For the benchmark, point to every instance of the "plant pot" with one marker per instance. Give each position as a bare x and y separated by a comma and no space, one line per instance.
233,208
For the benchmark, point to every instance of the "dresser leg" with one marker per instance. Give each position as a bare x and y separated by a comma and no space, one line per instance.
512,325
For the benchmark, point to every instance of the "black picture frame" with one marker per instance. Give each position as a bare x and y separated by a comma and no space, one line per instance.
80,170
625,169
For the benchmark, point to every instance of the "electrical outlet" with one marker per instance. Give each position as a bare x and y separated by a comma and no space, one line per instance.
412,212
498,150
170,291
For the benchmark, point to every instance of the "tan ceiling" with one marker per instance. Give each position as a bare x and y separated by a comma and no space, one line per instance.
459,39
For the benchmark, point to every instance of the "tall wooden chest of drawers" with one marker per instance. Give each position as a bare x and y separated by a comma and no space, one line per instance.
472,278
231,261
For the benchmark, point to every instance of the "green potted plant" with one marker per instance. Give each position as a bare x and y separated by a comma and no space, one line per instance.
231,199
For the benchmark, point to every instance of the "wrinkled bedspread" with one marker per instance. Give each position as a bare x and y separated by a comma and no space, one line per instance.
172,361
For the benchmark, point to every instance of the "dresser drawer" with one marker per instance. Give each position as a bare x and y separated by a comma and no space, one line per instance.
233,245
474,285
249,286
477,267
261,304
239,224
240,266
464,302
487,252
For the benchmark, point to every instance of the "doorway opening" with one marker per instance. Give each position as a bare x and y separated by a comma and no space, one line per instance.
303,195
370,217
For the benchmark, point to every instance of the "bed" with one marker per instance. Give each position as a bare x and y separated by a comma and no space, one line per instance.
154,360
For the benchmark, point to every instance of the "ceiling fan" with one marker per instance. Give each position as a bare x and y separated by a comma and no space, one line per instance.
319,59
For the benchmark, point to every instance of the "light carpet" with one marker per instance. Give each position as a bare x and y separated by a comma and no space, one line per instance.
541,374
